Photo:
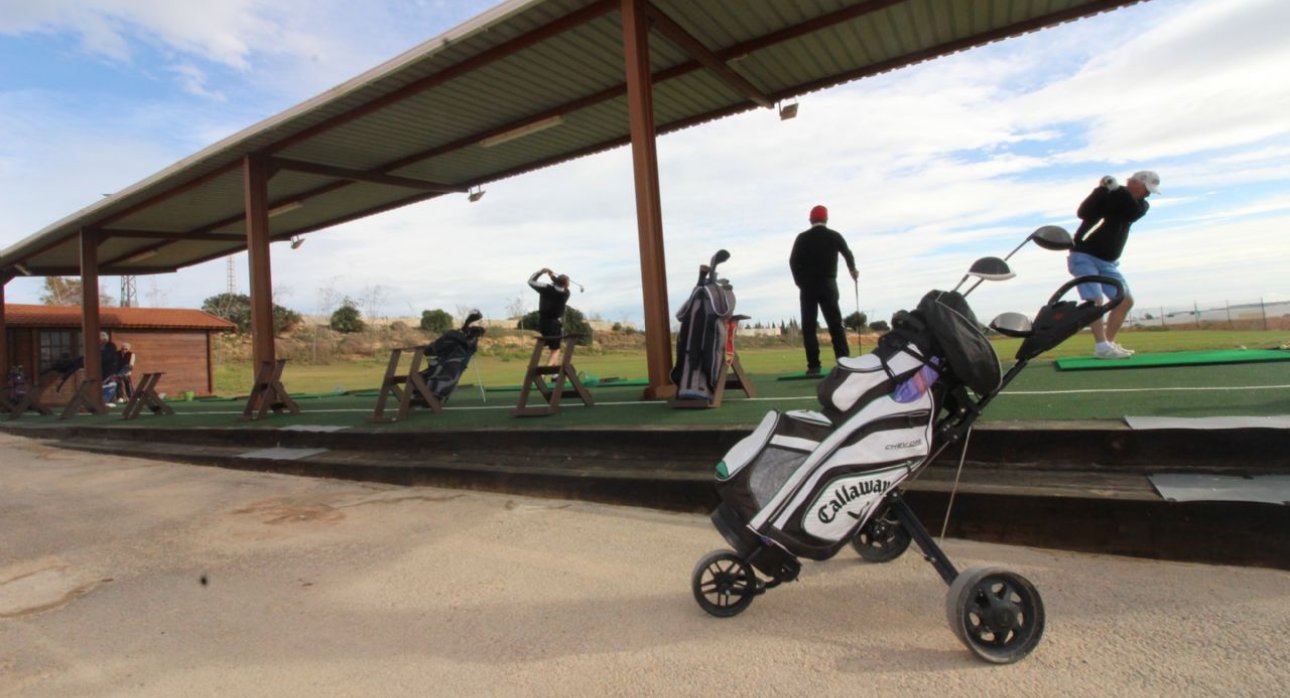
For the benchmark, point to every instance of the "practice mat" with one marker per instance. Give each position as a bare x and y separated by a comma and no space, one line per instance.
801,376
1174,358
1184,487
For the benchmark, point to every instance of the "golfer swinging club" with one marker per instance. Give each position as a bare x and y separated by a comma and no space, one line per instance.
552,298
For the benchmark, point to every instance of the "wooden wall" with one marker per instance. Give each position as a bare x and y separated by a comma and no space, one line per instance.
184,357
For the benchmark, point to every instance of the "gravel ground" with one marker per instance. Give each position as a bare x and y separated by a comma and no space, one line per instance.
123,577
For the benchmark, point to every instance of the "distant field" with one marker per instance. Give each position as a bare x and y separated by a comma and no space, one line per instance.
303,378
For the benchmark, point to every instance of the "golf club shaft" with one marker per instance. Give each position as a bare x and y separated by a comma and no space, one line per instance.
859,329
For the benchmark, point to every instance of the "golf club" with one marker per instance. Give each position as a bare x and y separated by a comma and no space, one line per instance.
859,329
1049,237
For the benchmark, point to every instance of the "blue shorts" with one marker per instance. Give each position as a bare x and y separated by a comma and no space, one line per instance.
1082,264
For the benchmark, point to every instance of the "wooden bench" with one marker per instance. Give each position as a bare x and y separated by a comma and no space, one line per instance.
145,395
87,397
551,394
730,375
268,393
403,386
33,400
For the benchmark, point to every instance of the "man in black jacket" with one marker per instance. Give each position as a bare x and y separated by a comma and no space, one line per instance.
1106,215
814,262
552,299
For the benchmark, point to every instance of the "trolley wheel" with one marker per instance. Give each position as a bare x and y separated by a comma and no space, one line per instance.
998,614
882,538
723,584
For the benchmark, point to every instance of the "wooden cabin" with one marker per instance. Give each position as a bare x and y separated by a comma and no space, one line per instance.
43,338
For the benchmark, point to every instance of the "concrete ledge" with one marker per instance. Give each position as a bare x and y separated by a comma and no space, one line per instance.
1074,486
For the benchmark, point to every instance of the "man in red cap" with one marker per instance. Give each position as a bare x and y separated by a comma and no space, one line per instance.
814,262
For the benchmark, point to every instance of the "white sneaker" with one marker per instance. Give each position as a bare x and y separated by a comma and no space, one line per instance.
1123,348
1110,351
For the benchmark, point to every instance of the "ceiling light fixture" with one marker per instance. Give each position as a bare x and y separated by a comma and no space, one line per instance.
296,242
787,111
146,254
285,208
522,131
476,195
22,269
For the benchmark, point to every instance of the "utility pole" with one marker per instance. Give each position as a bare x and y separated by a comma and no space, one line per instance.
128,299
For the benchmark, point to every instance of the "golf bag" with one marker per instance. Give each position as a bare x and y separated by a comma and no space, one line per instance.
702,340
808,481
448,356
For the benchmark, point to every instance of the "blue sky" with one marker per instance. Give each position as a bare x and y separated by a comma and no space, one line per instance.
923,169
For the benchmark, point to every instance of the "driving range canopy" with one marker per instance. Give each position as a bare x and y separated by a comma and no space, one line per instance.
525,85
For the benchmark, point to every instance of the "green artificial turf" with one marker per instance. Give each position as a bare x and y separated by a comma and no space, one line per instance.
1174,358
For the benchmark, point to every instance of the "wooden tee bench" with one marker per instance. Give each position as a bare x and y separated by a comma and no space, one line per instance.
403,386
268,392
534,377
145,395
730,375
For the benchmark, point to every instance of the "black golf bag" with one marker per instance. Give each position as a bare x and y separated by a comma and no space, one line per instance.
701,341
448,356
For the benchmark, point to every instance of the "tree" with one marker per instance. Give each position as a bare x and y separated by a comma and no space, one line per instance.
515,307
879,326
438,321
855,321
236,308
66,290
347,318
574,323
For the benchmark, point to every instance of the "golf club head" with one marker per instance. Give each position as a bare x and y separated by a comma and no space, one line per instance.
473,316
1052,237
720,256
991,269
1012,325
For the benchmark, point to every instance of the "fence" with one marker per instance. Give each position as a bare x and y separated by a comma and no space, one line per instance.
1258,315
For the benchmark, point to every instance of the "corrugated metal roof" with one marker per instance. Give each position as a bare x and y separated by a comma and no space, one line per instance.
19,315
428,114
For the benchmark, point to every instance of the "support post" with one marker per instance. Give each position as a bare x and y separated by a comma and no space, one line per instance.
255,175
90,325
649,216
4,335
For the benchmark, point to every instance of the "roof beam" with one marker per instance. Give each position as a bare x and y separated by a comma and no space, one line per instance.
372,176
173,235
688,43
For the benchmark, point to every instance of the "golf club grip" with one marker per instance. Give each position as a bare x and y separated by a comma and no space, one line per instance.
1092,279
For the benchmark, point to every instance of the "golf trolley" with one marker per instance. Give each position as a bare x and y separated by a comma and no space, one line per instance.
805,484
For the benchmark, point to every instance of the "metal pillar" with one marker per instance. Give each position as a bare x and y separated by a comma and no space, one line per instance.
255,176
649,215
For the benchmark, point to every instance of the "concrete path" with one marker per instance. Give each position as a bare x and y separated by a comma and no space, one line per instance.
124,577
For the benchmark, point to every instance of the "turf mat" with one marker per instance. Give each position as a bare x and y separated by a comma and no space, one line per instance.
1174,358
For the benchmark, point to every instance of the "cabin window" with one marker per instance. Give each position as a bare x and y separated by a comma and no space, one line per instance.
56,348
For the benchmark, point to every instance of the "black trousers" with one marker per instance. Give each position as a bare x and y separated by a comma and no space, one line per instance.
551,327
822,297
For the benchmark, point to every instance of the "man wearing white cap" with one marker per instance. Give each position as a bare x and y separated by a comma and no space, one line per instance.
1105,216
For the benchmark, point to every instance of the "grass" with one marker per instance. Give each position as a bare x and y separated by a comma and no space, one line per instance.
234,378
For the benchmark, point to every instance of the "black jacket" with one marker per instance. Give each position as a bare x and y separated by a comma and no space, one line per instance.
1106,216
815,256
551,298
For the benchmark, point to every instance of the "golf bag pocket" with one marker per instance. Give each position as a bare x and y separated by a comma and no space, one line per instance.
855,382
753,470
840,483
